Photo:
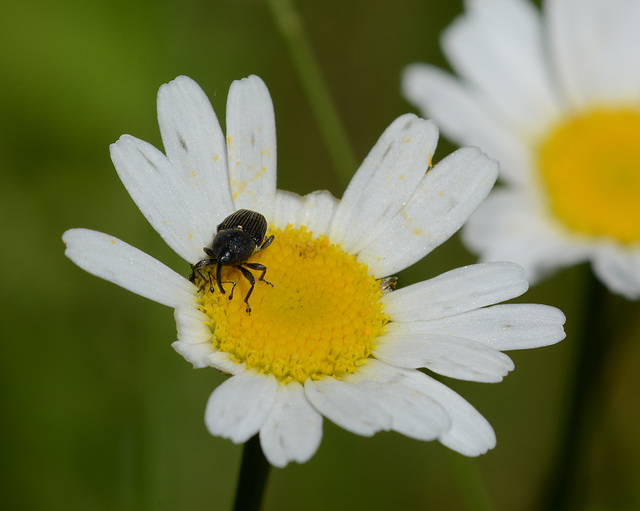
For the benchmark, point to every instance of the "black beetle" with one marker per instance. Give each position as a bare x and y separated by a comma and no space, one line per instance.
237,238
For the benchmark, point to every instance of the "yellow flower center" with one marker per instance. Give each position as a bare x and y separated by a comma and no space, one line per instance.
590,167
321,316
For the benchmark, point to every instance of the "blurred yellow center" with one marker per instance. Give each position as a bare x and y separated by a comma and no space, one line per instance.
320,317
590,166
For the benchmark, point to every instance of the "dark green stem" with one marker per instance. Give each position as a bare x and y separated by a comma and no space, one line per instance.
470,482
583,403
292,30
252,480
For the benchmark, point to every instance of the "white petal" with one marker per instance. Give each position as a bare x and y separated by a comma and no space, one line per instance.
465,118
238,408
251,145
509,227
285,209
413,413
351,408
293,428
195,354
162,196
443,354
224,363
386,179
314,211
195,146
456,291
194,343
501,327
619,268
470,434
594,44
498,47
192,325
318,209
111,259
445,199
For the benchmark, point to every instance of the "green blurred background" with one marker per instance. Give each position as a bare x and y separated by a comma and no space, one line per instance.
98,411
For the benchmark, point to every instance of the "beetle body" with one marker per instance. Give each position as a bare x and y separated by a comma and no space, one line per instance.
237,238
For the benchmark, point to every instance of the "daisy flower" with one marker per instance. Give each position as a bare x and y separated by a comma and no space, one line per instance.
556,99
329,337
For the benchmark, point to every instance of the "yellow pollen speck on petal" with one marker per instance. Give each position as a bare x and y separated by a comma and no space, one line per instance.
590,168
320,318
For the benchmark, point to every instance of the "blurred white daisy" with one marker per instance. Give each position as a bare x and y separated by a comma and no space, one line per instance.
327,339
556,99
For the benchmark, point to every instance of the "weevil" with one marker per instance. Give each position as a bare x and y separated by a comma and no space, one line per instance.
237,238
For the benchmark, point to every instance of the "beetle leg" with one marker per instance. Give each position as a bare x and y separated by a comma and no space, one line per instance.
266,242
219,278
210,282
259,267
203,263
249,276
232,289
196,268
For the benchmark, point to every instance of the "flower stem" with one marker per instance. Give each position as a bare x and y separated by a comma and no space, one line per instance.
470,483
252,480
584,401
292,29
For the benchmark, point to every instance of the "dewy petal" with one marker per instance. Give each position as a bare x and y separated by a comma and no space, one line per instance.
450,356
237,409
619,269
196,148
498,47
386,179
111,259
293,428
162,196
456,291
351,408
445,199
465,117
413,413
501,327
251,145
470,433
